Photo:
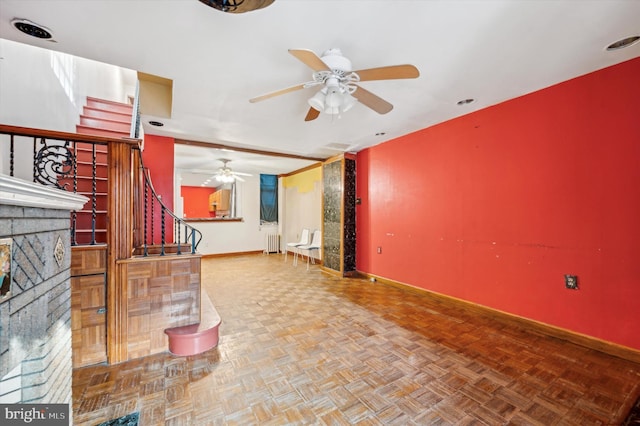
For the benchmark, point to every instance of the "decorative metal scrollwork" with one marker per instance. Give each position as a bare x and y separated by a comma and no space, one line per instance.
53,164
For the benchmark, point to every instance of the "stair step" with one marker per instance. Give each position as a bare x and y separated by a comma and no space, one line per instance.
90,164
101,205
112,106
87,157
83,236
86,240
85,184
196,338
107,115
94,131
88,147
88,194
101,123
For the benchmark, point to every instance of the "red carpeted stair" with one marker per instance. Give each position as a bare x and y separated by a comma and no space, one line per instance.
100,118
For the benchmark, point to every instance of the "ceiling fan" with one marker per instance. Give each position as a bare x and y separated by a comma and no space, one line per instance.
226,175
340,90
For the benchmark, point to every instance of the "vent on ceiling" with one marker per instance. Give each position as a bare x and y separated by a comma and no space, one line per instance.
338,146
32,29
625,42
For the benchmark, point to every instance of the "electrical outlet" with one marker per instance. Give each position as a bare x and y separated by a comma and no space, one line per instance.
379,250
571,282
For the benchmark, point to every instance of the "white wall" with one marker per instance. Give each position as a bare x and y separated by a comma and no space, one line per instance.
44,89
220,237
32,95
301,210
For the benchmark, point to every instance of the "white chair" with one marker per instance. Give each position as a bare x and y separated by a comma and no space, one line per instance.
304,239
316,242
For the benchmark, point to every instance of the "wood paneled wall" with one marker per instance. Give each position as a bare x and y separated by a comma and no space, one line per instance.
160,293
88,304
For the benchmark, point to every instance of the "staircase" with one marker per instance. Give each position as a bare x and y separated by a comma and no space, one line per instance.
99,118
104,264
113,119
105,118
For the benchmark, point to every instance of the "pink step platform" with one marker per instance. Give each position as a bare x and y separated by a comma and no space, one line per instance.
196,338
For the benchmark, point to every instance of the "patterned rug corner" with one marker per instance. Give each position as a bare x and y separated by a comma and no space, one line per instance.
128,420
634,416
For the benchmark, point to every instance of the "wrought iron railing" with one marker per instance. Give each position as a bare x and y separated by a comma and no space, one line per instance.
79,163
53,159
184,235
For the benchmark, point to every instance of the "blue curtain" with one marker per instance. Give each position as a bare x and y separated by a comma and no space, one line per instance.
268,198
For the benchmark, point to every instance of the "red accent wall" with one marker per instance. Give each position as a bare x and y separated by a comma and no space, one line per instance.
158,158
494,207
196,201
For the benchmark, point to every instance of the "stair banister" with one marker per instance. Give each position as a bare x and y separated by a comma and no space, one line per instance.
191,234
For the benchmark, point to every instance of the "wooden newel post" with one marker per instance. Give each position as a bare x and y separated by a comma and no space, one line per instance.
120,244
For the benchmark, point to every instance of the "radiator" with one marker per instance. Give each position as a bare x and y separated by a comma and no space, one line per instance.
272,243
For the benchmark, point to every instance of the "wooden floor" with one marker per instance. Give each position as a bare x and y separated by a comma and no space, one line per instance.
303,347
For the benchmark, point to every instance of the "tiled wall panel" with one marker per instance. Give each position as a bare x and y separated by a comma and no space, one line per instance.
35,321
339,203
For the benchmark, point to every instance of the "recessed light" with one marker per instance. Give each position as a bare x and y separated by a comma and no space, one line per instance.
156,123
466,101
625,42
32,29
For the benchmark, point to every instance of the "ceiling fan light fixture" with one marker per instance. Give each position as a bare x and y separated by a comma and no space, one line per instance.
317,100
334,59
225,178
333,71
334,98
332,110
348,102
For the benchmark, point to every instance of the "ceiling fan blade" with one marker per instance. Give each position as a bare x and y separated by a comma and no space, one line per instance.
238,178
392,72
242,174
310,59
312,114
374,102
278,92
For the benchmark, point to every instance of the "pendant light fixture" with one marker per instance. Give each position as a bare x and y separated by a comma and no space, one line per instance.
237,6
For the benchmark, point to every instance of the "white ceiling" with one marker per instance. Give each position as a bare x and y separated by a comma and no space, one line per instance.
490,51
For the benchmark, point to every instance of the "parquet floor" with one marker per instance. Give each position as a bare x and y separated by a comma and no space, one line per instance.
300,347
